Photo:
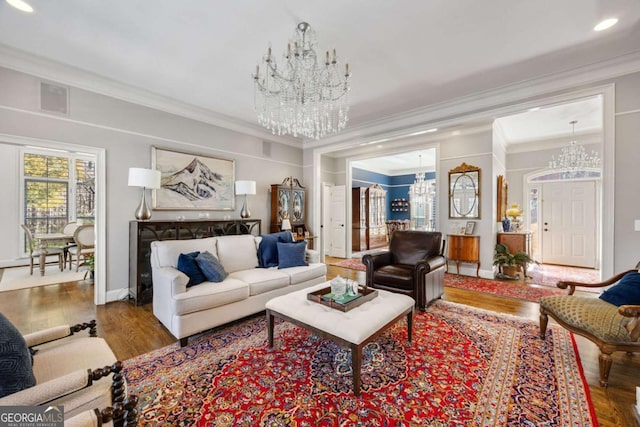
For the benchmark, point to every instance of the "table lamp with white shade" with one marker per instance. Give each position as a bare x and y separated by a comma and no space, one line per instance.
145,178
286,225
244,188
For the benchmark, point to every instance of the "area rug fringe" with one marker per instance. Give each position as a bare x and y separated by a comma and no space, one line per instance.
465,366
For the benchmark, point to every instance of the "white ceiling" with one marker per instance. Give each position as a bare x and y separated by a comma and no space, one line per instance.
404,54
401,163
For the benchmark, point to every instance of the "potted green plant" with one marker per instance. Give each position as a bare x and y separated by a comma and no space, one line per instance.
509,264
89,265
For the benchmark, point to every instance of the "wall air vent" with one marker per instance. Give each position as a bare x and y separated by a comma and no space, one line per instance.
54,98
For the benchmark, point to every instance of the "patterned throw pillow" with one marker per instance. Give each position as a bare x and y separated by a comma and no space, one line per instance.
211,267
16,372
291,254
188,265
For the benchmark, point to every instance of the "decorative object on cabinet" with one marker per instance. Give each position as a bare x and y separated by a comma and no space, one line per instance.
368,217
304,96
142,233
244,188
288,200
395,225
193,181
515,213
144,178
286,224
464,192
399,205
503,194
511,264
464,248
469,227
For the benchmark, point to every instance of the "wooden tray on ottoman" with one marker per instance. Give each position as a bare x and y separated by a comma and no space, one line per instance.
320,296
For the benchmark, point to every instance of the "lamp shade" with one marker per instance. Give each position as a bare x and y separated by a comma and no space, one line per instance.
286,224
147,178
245,187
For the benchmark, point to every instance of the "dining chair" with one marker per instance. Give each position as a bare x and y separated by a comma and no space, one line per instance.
35,252
69,229
84,238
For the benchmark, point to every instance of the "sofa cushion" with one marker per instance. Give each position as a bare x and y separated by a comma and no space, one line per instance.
211,267
625,292
16,372
268,249
590,314
188,265
261,280
209,295
165,253
237,252
303,274
291,254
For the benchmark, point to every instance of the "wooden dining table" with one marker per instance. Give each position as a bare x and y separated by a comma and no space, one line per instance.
45,239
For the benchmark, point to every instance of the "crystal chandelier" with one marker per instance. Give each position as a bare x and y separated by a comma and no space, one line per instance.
573,158
302,96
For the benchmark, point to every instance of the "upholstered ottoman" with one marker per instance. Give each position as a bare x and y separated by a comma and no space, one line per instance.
355,328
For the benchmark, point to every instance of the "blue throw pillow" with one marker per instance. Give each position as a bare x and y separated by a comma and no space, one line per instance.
188,265
625,292
291,254
211,267
268,249
16,372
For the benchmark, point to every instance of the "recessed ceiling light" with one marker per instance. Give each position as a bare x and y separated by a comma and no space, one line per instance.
21,5
607,23
534,109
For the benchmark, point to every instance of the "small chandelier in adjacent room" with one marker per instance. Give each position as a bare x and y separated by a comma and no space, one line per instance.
304,95
573,158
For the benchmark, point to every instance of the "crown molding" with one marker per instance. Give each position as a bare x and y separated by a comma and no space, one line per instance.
449,111
75,77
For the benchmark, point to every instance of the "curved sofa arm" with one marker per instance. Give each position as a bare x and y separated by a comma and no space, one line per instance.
169,279
564,284
58,332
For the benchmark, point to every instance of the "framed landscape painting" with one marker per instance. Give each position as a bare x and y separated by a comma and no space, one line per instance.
192,181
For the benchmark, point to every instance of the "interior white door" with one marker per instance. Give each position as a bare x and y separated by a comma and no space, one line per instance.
569,223
337,222
325,242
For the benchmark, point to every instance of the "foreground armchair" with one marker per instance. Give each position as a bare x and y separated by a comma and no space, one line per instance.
414,266
612,321
58,366
124,411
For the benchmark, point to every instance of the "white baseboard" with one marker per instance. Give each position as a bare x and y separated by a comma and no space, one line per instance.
118,294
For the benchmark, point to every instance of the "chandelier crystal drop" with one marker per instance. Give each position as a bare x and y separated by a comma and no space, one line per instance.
573,158
306,94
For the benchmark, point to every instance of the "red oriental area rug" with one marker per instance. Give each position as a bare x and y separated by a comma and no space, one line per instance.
465,367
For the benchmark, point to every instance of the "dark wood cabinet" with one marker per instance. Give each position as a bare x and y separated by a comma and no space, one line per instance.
516,242
368,217
288,200
142,233
464,248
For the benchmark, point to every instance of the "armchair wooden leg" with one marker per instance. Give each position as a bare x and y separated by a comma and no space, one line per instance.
544,320
604,362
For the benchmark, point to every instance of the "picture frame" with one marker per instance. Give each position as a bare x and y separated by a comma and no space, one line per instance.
300,231
470,227
213,189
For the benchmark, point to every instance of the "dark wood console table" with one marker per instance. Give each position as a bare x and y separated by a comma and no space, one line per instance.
142,233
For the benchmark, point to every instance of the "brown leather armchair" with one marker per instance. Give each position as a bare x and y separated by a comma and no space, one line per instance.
414,266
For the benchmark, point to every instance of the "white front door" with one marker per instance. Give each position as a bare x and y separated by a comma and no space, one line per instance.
337,222
569,223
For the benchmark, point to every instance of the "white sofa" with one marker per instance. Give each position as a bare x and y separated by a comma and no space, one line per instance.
188,311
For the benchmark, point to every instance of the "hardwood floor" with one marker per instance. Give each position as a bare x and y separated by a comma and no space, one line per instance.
132,330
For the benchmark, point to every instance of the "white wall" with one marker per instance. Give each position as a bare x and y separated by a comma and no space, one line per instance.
127,132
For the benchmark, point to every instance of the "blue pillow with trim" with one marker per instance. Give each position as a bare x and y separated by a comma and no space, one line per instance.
211,267
188,265
291,254
16,370
268,249
625,292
